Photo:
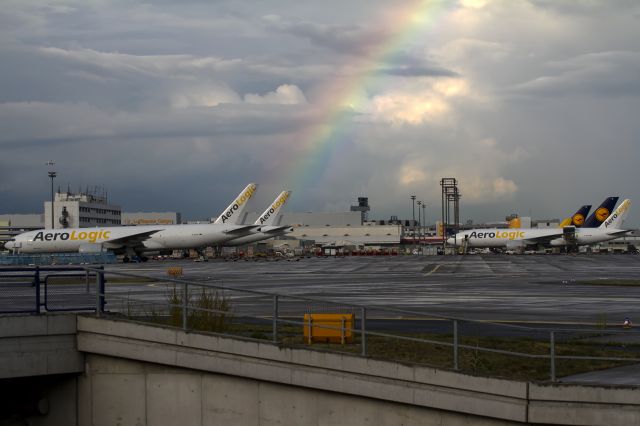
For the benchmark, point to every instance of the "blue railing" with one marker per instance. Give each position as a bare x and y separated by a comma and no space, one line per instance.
44,259
30,290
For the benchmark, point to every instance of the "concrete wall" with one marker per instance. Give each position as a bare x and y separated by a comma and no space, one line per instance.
38,345
350,235
35,220
218,376
116,391
139,374
39,362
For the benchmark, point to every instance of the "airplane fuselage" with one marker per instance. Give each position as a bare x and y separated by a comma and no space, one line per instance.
165,237
510,238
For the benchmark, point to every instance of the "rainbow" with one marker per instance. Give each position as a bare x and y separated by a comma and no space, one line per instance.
344,95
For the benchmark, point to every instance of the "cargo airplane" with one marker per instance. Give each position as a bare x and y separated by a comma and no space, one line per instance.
267,224
610,229
132,240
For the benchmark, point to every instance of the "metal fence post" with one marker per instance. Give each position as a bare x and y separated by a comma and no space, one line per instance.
103,292
36,283
185,304
275,319
86,279
552,357
455,345
98,296
363,331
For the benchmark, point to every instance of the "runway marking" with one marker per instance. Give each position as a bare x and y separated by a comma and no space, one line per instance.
433,270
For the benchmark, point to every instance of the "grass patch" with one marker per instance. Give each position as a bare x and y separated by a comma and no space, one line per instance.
207,310
475,361
211,311
471,360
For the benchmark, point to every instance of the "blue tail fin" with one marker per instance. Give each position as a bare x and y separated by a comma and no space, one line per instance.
601,213
578,217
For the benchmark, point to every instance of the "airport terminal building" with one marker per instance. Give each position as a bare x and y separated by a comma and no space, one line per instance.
81,210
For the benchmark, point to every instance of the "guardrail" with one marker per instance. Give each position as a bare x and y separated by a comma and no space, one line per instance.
281,311
31,289
212,306
44,259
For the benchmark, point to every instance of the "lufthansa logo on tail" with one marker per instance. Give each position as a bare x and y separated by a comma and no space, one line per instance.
239,201
602,213
578,219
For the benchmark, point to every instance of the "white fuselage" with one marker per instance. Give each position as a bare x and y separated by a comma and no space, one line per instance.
508,238
166,237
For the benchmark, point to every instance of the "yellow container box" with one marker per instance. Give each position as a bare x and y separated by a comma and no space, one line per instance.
328,328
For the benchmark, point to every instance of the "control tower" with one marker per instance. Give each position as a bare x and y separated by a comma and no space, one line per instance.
363,208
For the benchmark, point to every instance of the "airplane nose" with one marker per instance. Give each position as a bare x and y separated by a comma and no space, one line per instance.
8,245
451,241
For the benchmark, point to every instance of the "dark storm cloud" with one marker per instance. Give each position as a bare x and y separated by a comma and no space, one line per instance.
176,105
39,123
596,74
342,38
419,71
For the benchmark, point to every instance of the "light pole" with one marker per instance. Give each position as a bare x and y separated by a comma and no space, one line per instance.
419,221
424,218
413,223
52,175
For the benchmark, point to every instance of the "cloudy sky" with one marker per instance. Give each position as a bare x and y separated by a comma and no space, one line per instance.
534,105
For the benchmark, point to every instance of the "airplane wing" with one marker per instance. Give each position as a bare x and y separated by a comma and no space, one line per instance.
618,233
241,229
276,229
133,240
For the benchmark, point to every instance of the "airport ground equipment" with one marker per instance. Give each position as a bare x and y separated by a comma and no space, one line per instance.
328,328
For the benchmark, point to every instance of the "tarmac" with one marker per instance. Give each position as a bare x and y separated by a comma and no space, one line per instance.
540,289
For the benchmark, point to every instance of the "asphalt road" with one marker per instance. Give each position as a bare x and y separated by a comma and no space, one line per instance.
533,290
530,288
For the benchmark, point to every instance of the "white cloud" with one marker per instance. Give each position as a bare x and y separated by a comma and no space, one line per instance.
209,96
473,4
417,101
286,94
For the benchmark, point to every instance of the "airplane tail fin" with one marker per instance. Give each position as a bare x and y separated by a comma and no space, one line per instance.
577,219
232,215
515,223
616,220
273,213
601,213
